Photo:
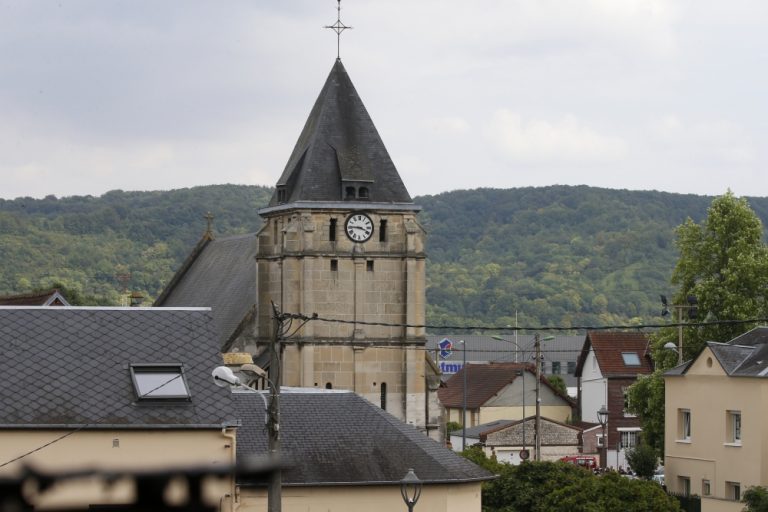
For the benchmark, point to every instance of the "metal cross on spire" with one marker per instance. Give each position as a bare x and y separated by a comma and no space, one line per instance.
338,27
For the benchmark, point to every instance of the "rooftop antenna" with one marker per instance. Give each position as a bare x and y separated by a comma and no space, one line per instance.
338,27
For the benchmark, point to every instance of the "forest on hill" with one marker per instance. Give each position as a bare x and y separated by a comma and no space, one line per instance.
558,255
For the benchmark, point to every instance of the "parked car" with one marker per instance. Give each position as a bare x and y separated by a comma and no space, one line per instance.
585,461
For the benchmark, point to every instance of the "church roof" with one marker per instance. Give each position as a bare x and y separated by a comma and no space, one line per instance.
331,437
339,147
220,274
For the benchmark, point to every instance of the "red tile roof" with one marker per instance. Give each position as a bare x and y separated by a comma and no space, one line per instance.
609,347
484,381
31,299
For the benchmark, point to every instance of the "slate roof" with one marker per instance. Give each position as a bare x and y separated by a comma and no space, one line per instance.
744,356
45,298
339,143
220,274
484,381
331,437
69,366
609,347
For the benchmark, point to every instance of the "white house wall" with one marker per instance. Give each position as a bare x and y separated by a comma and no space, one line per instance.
594,389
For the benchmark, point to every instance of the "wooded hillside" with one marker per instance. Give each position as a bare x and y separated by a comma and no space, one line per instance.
557,255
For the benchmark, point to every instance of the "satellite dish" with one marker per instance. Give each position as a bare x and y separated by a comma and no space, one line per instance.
224,377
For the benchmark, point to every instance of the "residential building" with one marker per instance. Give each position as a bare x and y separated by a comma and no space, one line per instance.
345,454
340,240
51,297
715,440
501,391
111,388
610,362
505,439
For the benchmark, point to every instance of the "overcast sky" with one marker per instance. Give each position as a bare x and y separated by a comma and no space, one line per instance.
146,94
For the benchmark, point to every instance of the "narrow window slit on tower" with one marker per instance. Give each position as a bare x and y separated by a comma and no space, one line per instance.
334,265
383,230
384,395
332,231
369,265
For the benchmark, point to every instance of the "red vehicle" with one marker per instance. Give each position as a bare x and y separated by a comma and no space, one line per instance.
585,461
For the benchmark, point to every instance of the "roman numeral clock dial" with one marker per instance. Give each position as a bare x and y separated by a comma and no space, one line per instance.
359,227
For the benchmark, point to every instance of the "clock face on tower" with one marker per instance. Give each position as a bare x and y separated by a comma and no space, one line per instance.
359,227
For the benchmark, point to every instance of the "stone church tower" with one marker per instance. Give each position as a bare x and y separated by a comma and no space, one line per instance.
341,240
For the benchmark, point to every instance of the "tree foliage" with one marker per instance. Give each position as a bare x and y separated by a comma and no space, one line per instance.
643,460
756,499
558,383
556,486
723,263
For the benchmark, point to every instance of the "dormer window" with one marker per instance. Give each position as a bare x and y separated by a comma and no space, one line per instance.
281,194
362,193
350,193
159,382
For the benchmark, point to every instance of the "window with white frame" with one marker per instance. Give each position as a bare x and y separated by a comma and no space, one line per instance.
629,439
706,488
733,427
600,440
683,424
684,484
733,491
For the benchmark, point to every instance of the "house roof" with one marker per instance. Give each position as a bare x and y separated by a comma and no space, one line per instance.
339,144
220,274
744,356
609,348
70,366
331,437
547,436
484,381
45,298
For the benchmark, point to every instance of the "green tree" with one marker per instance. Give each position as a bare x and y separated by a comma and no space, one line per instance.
643,460
558,383
723,263
756,499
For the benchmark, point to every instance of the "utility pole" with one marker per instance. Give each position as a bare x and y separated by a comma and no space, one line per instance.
537,438
274,491
464,398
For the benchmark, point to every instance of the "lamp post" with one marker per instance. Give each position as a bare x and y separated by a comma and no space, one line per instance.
410,489
464,396
693,310
602,418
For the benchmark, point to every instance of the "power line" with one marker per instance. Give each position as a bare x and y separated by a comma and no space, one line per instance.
508,328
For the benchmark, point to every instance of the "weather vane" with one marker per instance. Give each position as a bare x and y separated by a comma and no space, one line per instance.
338,27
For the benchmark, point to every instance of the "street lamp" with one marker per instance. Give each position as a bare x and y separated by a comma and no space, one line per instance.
464,396
410,489
602,418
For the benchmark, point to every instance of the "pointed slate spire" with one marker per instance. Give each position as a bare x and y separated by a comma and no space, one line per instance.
339,155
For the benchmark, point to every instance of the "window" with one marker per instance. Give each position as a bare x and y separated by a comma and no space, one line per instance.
334,265
733,491
159,382
625,392
683,425
332,231
281,195
369,265
706,489
556,367
383,390
630,358
733,427
629,439
363,192
383,230
350,193
328,385
571,367
684,484
600,440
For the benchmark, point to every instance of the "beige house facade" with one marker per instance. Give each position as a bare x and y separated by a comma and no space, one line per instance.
716,444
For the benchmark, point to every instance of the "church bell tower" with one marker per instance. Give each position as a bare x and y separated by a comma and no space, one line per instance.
341,239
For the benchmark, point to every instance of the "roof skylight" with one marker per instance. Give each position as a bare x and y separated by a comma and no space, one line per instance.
630,358
159,381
